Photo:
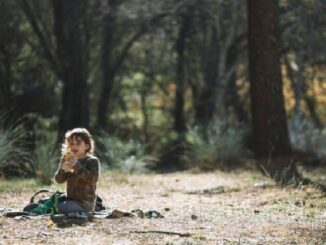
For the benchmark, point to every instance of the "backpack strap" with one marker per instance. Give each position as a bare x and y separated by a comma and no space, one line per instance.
40,191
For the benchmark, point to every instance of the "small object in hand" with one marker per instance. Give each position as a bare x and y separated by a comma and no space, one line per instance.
68,160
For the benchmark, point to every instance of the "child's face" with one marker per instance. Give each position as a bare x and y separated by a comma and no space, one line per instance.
78,147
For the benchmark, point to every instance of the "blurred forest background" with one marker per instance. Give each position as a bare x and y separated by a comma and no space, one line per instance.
163,84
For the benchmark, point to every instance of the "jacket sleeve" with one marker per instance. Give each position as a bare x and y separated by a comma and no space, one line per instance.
88,172
60,175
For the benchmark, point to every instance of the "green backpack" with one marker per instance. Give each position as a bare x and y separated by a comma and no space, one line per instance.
50,205
45,206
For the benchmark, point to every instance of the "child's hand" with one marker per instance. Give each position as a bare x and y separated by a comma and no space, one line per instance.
68,166
69,161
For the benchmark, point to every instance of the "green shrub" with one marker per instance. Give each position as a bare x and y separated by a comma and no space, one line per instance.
217,142
14,155
127,156
307,137
46,155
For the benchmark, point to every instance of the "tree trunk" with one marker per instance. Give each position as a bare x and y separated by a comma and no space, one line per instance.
298,83
232,97
233,100
270,132
109,22
143,106
300,89
105,96
179,118
205,105
311,104
5,80
72,54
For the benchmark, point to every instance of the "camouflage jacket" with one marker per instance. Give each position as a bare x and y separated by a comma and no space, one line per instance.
81,184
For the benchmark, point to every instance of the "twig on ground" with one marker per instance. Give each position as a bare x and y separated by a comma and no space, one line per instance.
214,191
164,232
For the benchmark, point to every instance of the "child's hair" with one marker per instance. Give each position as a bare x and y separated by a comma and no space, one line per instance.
84,134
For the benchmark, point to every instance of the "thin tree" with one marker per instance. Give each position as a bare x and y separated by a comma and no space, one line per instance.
180,45
217,43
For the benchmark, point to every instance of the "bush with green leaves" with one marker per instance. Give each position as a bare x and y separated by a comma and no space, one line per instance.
46,155
307,137
127,156
217,142
14,155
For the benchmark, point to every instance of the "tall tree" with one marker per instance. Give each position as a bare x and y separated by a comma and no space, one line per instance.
107,61
72,53
10,46
68,59
270,133
180,45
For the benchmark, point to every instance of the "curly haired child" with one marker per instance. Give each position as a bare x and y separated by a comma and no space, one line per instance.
80,168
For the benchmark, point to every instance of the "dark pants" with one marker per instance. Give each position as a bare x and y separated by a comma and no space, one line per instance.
70,207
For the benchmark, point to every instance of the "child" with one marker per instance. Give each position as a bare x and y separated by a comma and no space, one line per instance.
81,171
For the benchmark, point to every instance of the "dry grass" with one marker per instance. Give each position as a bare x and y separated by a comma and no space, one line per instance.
202,208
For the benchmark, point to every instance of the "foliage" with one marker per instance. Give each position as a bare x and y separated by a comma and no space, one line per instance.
142,55
128,156
46,156
14,155
217,142
306,136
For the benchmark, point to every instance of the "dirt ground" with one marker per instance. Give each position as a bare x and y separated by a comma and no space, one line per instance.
240,207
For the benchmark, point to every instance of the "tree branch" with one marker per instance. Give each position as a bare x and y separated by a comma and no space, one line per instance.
136,36
41,37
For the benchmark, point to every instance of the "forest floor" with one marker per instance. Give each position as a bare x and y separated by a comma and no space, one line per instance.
238,207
